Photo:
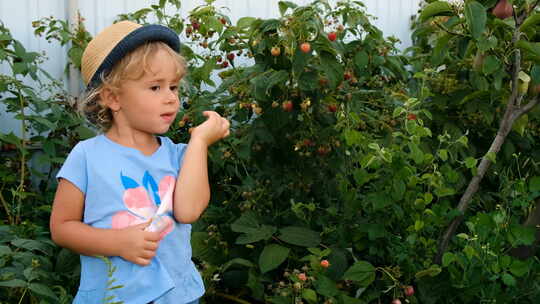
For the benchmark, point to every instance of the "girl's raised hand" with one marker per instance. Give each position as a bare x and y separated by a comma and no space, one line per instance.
213,129
137,245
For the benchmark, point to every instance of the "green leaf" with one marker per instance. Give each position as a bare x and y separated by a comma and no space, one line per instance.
470,162
361,60
361,272
491,65
433,271
522,235
418,225
32,245
236,261
475,14
5,250
448,258
534,184
519,268
84,132
253,231
276,78
444,191
440,50
531,50
245,223
325,286
285,5
521,124
13,283
492,157
43,290
309,295
350,300
300,236
245,22
437,8
535,75
272,256
508,279
264,232
332,68
308,81
443,154
531,21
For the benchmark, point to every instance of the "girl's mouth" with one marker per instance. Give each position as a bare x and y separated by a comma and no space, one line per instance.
168,117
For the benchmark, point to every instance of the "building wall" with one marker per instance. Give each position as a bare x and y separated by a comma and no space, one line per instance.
392,17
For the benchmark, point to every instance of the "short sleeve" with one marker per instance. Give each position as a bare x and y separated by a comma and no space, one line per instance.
74,168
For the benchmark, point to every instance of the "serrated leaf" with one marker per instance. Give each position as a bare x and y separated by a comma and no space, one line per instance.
300,236
236,261
33,245
42,289
361,272
13,283
437,8
325,286
272,256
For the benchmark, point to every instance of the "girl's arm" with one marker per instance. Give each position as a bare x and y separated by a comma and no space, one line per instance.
192,190
68,230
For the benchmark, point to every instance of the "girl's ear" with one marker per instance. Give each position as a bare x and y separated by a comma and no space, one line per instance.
109,99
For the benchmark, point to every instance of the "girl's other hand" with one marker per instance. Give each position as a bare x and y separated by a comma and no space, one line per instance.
137,245
213,129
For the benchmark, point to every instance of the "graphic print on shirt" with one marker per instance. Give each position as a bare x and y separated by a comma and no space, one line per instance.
149,201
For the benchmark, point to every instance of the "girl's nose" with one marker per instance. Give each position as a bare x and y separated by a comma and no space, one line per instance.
172,96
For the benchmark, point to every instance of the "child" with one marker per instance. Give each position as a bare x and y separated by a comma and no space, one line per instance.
127,194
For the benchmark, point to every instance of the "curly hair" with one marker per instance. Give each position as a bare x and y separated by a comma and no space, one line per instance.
132,67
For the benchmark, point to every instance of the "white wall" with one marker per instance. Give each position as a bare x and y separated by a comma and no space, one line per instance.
392,17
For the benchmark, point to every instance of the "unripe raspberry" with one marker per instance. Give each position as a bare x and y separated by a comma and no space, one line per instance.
325,263
302,277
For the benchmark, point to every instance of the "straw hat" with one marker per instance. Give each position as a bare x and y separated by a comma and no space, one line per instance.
114,42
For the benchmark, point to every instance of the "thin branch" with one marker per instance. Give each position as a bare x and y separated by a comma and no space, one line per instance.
533,7
526,108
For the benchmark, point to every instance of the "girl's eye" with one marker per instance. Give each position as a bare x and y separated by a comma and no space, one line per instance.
154,88
174,88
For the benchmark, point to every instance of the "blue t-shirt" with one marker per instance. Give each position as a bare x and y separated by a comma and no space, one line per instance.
124,187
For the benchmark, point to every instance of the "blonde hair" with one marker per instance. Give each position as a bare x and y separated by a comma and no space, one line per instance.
132,67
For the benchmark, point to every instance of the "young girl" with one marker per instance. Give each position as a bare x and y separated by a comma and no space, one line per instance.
128,194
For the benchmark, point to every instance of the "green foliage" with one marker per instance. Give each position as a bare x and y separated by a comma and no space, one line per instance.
345,161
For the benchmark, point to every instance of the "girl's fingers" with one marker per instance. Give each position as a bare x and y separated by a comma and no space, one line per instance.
148,254
142,261
153,246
